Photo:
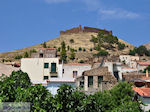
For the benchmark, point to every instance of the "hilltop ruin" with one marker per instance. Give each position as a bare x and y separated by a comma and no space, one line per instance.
84,29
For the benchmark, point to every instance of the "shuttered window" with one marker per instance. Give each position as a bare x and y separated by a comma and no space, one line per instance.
46,65
53,67
100,79
90,81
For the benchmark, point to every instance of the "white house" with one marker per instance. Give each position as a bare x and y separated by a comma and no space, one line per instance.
144,95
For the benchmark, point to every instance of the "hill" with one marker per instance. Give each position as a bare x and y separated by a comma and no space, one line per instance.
81,38
147,45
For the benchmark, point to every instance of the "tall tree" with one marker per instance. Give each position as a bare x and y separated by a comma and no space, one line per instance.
72,55
63,55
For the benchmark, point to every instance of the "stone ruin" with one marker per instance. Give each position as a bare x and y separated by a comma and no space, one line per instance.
84,29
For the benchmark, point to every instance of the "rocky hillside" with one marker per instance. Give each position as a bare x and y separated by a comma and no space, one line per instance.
147,45
80,39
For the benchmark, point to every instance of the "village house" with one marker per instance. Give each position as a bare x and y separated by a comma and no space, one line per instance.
144,95
129,60
96,79
44,68
141,66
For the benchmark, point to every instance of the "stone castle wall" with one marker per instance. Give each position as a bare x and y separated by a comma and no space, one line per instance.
85,29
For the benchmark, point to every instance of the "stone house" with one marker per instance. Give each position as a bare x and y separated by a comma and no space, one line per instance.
45,53
96,79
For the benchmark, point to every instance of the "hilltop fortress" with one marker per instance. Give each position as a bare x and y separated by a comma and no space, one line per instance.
84,29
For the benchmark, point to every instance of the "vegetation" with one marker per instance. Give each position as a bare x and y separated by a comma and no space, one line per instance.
81,61
18,57
68,47
141,50
63,55
121,46
148,68
44,45
106,41
80,49
84,49
26,55
72,55
101,53
18,88
71,41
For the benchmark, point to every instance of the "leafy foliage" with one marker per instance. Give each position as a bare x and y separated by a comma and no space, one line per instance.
71,41
44,45
26,55
63,55
18,88
141,50
18,57
121,46
72,55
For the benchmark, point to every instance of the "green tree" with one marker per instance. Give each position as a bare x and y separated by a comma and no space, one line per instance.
8,85
44,45
71,41
63,55
121,46
18,57
132,52
26,55
39,97
80,49
72,55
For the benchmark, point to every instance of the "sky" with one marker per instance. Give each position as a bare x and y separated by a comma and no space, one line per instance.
24,23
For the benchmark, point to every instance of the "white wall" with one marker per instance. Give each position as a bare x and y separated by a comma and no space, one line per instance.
146,100
54,86
35,67
68,69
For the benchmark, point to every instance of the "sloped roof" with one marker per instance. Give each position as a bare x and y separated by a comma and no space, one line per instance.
144,63
100,71
142,91
7,69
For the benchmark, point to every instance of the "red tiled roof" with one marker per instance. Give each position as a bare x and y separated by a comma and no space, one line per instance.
142,91
143,63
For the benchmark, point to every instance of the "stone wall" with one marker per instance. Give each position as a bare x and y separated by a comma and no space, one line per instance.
85,29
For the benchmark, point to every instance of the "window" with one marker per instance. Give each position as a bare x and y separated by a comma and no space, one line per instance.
45,77
46,65
90,81
100,79
41,55
75,73
63,71
53,67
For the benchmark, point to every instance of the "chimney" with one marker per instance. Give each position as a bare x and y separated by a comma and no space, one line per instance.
147,73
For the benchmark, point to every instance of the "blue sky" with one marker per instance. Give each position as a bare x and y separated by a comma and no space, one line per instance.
25,23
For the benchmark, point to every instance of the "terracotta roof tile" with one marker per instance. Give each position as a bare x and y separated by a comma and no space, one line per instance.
142,91
143,63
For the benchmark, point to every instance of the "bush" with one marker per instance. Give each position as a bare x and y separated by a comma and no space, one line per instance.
91,49
121,46
71,41
18,57
81,61
80,49
84,49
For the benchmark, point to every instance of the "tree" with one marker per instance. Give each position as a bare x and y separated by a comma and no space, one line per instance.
39,97
80,49
101,53
44,45
63,55
72,55
18,57
26,55
121,46
8,85
71,41
132,52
